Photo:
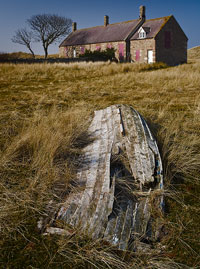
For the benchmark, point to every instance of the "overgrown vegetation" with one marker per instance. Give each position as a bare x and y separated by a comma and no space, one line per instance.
98,55
44,113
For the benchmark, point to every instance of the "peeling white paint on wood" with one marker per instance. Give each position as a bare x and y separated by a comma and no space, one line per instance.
120,168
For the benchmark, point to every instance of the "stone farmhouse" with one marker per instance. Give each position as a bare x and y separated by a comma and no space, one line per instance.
140,40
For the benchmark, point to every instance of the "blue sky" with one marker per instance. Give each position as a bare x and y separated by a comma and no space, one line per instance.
88,13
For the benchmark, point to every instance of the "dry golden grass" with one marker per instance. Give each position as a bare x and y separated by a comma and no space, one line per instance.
44,113
194,53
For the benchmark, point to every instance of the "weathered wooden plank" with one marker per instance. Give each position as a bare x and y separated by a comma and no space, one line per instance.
111,200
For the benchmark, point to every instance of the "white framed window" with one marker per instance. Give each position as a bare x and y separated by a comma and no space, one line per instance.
142,34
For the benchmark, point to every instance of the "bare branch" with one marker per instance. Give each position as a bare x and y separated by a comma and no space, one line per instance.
49,28
24,37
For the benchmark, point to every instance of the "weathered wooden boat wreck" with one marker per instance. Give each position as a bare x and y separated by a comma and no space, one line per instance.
120,172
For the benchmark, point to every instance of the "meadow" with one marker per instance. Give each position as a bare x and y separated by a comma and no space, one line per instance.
44,114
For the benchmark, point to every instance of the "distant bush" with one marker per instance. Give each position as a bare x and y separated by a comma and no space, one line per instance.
97,55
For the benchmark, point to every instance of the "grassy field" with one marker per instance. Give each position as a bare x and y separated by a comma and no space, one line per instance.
44,115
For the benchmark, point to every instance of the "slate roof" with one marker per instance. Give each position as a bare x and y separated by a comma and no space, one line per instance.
146,29
100,34
155,25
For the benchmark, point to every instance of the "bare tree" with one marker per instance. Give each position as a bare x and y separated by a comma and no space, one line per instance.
24,37
49,29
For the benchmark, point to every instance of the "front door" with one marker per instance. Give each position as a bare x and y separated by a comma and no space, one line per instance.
150,56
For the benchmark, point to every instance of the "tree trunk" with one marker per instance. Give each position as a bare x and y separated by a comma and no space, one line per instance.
46,52
31,51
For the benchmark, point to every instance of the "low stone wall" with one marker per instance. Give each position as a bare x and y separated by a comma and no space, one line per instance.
50,60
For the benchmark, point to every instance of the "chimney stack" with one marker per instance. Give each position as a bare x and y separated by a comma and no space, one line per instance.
106,20
142,12
74,26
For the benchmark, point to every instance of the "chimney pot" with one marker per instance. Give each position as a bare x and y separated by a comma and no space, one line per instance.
74,26
142,12
106,20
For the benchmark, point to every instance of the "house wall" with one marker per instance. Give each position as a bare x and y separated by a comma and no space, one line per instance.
176,52
120,49
168,46
139,50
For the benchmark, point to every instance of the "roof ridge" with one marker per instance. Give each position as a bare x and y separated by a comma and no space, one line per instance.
160,22
124,22
164,17
110,24
167,18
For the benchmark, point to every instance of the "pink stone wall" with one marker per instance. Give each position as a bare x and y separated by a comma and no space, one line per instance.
139,50
120,48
